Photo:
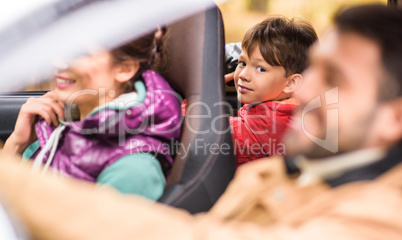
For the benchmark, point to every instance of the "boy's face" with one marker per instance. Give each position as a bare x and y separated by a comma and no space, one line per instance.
257,81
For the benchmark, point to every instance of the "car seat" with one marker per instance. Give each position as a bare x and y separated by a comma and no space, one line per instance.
204,163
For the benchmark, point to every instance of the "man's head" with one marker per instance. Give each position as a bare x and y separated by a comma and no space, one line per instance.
351,95
274,56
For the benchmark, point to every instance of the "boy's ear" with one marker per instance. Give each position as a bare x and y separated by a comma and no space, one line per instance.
126,70
294,82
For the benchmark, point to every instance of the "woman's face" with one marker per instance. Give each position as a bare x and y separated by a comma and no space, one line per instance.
88,81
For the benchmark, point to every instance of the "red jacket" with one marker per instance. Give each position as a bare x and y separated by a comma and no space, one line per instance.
258,130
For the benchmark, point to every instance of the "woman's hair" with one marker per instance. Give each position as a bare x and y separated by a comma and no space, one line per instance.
149,50
282,42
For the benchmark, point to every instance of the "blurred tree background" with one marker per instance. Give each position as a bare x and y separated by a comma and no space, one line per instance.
240,15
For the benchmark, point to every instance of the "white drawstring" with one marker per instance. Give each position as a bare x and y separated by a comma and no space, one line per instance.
51,145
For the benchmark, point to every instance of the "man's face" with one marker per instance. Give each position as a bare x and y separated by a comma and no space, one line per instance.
338,97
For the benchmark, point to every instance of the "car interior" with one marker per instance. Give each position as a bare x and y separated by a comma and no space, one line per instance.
196,70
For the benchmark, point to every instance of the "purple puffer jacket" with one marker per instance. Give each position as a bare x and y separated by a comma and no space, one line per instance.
84,149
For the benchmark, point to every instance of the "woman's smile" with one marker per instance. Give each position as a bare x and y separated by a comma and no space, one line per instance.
63,82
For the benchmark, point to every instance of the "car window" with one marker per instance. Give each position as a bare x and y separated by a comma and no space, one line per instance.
44,85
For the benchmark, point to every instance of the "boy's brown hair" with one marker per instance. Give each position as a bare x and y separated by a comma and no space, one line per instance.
282,42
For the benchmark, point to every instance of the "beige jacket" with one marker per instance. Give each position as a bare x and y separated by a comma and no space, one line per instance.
261,203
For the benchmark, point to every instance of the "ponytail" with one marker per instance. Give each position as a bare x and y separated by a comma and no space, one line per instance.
159,55
149,50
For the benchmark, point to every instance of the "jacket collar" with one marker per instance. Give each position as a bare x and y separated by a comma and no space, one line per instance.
335,166
121,103
359,165
124,101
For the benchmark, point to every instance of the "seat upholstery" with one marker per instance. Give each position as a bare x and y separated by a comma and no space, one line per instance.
204,163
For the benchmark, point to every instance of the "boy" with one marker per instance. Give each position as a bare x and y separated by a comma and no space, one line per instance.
274,54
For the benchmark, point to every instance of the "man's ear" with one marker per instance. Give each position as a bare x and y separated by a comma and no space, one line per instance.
126,70
294,82
389,123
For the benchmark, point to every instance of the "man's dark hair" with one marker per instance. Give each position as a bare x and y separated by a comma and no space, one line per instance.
382,25
282,42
